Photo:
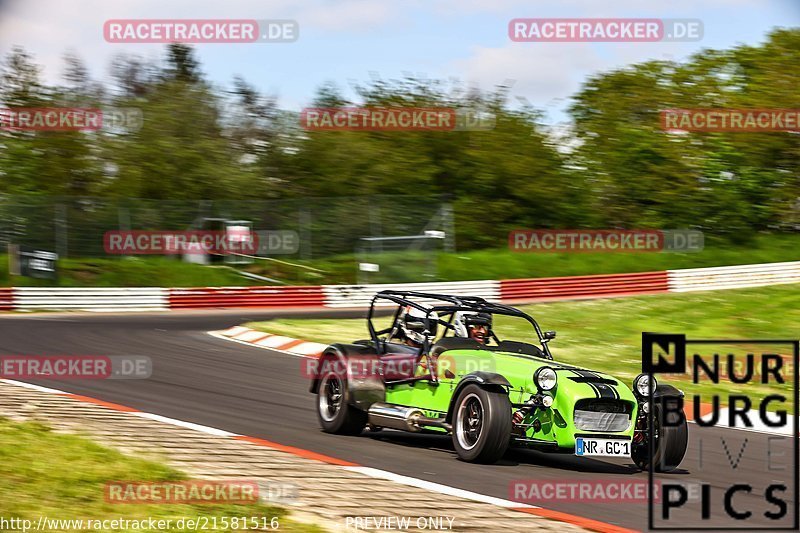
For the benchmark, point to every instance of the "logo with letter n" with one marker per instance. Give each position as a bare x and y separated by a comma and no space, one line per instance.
663,353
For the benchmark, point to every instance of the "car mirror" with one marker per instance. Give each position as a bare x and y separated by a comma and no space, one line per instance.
549,335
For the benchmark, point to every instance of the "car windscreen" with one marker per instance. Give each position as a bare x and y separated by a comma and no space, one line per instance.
515,334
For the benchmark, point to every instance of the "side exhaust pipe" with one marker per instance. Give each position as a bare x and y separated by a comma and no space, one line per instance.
402,418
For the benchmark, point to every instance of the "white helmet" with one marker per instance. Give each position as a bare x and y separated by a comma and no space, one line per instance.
413,326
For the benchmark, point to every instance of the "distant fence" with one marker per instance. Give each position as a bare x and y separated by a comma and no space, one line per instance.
76,226
359,296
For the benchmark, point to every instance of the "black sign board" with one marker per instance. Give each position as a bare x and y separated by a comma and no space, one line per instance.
38,264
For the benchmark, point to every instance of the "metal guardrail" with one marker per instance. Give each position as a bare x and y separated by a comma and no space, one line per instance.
90,299
733,277
6,299
343,296
220,297
583,286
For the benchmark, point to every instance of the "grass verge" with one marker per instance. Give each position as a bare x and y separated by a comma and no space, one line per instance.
130,272
62,477
501,263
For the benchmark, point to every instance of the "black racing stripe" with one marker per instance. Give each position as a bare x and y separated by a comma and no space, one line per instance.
606,391
586,374
615,391
603,390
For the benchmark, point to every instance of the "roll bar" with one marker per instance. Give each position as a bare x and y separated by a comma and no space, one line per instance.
444,303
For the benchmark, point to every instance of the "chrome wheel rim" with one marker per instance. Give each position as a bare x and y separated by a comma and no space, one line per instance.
469,423
330,397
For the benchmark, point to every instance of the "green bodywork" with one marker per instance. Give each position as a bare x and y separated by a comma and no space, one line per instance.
557,424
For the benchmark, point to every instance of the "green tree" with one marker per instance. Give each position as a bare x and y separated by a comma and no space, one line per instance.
180,150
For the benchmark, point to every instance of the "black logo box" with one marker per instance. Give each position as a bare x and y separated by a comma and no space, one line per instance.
678,365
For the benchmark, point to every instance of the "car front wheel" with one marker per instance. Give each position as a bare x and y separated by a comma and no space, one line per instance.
481,424
670,445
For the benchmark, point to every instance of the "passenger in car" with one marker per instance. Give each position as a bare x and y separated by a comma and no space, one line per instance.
476,326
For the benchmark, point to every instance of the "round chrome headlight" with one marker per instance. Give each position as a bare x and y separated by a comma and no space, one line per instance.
545,378
644,384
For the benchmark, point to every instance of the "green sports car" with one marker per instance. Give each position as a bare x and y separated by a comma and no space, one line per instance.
439,366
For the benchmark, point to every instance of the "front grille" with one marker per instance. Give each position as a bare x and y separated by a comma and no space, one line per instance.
602,415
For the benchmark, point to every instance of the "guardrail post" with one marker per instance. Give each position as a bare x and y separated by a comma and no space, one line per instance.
61,234
305,233
449,228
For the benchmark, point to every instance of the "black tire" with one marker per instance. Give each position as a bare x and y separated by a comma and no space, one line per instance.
485,438
334,412
670,446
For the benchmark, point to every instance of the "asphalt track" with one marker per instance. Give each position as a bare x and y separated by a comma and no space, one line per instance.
262,393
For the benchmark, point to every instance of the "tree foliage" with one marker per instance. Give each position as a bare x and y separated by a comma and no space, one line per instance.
617,168
733,183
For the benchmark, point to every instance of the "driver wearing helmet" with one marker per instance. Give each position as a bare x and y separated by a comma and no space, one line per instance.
412,326
476,326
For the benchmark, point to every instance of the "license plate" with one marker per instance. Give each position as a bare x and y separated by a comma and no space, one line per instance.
602,447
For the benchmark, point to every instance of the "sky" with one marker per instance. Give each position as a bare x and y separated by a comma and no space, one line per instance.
352,41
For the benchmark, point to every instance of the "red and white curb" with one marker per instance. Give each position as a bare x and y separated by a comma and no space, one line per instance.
271,341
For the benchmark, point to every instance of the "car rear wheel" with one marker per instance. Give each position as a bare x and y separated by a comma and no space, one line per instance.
670,445
481,424
334,412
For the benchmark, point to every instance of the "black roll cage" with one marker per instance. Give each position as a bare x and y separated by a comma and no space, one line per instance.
449,305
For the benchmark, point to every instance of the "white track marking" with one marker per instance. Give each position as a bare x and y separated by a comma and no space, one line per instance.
312,349
33,387
758,427
436,487
188,425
